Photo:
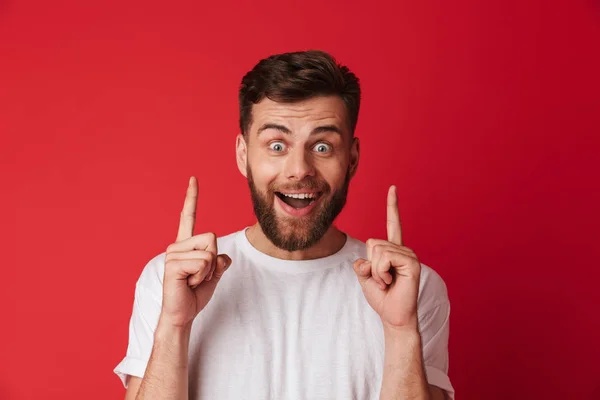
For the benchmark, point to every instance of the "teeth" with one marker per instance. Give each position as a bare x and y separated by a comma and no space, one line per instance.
300,195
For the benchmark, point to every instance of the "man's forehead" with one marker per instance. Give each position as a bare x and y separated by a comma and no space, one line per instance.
325,109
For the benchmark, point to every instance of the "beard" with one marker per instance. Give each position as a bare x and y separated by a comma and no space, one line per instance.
290,233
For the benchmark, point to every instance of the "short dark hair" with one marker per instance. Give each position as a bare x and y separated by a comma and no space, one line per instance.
297,76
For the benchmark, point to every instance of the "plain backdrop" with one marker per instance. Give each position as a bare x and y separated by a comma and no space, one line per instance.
485,114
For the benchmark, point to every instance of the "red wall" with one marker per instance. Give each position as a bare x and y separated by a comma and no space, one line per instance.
485,114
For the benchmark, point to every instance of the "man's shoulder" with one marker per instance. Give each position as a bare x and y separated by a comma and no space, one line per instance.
356,247
228,240
152,275
433,291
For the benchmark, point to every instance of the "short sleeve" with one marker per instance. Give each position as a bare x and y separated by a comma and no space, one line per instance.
144,319
434,325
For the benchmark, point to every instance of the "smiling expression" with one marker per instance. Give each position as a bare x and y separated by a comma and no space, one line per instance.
299,159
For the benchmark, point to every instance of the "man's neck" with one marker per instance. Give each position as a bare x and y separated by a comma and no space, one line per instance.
330,243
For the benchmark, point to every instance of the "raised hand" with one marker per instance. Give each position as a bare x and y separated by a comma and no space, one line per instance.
192,267
390,276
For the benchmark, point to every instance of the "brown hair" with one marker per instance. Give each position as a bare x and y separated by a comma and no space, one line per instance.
296,76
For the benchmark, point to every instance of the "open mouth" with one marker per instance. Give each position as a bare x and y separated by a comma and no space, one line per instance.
298,200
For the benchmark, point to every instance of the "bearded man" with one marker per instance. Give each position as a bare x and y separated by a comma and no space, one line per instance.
291,307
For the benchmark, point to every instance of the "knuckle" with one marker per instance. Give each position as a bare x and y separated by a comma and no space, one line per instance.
376,249
170,248
211,236
370,242
210,257
170,260
200,254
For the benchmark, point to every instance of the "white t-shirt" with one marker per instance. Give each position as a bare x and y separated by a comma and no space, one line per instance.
282,329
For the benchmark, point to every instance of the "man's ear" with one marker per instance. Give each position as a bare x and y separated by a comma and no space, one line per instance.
241,154
354,156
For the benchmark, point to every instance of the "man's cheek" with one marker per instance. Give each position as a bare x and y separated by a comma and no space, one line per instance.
266,175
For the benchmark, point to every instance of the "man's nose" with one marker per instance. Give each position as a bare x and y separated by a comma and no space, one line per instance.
298,165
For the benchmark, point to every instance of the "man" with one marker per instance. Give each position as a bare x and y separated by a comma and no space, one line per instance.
291,307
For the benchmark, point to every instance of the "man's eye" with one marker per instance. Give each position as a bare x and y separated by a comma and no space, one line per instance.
277,146
322,148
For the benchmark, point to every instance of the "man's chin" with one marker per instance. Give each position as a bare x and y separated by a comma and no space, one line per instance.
295,233
293,242
288,226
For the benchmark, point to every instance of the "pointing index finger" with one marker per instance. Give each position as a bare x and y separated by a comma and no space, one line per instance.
394,228
188,213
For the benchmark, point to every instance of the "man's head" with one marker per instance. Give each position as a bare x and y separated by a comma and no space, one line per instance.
298,113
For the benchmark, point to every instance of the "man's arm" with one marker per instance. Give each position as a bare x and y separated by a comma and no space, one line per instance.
166,376
404,371
133,386
190,278
390,279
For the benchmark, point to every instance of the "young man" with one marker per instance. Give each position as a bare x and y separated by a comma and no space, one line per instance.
290,308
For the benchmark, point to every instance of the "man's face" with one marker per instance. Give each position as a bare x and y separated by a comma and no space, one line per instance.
299,159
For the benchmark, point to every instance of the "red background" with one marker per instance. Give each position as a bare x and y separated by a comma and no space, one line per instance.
485,114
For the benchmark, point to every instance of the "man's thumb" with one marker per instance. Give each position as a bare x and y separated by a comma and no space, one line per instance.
223,262
362,268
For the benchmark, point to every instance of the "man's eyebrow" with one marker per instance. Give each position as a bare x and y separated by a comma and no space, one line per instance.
326,128
277,127
284,129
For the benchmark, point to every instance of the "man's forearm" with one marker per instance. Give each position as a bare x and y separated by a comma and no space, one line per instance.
403,371
166,376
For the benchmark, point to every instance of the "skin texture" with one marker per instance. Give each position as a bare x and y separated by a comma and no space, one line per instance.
304,146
